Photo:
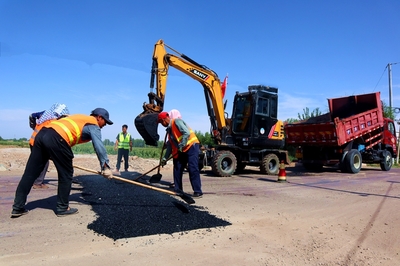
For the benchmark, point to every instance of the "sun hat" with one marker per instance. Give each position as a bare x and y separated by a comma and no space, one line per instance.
103,113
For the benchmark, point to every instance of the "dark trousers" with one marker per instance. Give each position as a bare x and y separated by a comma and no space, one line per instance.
48,143
191,158
125,154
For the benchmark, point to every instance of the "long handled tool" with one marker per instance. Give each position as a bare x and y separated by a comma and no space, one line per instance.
157,177
182,195
152,169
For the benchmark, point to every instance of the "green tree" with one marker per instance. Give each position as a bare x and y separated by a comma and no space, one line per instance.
205,139
291,120
387,111
138,143
306,113
108,142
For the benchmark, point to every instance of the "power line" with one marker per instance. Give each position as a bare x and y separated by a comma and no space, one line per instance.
384,73
380,77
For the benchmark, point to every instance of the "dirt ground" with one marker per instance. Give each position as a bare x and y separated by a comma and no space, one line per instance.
325,218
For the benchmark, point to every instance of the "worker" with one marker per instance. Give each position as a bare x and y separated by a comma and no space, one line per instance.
173,114
124,145
184,147
55,141
36,122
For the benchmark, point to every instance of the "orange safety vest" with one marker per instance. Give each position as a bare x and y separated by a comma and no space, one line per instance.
70,127
36,131
178,136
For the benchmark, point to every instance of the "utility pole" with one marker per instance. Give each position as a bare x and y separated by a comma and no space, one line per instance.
389,66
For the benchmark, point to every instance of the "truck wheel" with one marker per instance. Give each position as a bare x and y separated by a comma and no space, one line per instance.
224,163
353,161
270,164
386,163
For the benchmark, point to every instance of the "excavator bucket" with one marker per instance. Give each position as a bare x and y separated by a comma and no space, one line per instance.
146,124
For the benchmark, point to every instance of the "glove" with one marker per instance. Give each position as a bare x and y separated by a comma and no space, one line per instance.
163,162
180,148
107,173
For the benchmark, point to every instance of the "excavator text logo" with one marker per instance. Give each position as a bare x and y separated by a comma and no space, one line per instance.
199,74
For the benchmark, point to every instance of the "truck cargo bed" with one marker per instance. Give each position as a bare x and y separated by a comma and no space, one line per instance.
350,118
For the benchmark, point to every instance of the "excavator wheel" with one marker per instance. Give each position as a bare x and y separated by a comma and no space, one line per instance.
224,163
270,164
146,125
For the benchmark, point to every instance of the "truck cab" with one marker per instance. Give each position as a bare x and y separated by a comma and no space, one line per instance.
389,136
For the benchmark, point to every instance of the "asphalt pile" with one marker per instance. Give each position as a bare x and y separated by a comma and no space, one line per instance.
124,210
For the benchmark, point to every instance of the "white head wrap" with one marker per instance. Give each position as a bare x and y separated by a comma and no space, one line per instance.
173,114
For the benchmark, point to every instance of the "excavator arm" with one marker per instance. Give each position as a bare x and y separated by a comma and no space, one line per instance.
146,122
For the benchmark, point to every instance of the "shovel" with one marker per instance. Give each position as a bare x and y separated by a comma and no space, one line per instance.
152,169
188,199
157,177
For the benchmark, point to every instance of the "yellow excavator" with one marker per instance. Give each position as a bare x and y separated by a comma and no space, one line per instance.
252,136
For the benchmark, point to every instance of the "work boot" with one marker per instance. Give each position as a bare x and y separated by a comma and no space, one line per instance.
69,211
197,195
16,214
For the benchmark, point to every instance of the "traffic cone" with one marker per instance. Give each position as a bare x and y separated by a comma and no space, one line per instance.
282,172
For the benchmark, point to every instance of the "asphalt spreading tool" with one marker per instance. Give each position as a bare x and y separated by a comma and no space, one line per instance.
188,199
152,169
142,175
157,177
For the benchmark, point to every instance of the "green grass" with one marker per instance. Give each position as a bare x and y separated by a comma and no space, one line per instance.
87,148
15,143
146,152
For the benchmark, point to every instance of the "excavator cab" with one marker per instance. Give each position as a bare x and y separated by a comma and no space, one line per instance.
254,118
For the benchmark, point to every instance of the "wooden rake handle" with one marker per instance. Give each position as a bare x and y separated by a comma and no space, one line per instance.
184,196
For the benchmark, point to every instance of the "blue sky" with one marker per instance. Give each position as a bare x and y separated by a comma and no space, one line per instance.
90,54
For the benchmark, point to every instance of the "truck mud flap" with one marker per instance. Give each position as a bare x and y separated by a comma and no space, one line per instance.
146,125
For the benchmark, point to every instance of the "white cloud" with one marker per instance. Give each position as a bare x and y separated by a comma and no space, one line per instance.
290,106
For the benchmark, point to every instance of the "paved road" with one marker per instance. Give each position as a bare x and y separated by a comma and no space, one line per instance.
156,227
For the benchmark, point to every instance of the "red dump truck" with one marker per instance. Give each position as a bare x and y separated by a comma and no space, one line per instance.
353,132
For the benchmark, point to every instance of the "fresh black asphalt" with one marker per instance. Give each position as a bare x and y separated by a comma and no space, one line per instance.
125,210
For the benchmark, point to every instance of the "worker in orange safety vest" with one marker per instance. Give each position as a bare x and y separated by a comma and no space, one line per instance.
55,141
184,147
